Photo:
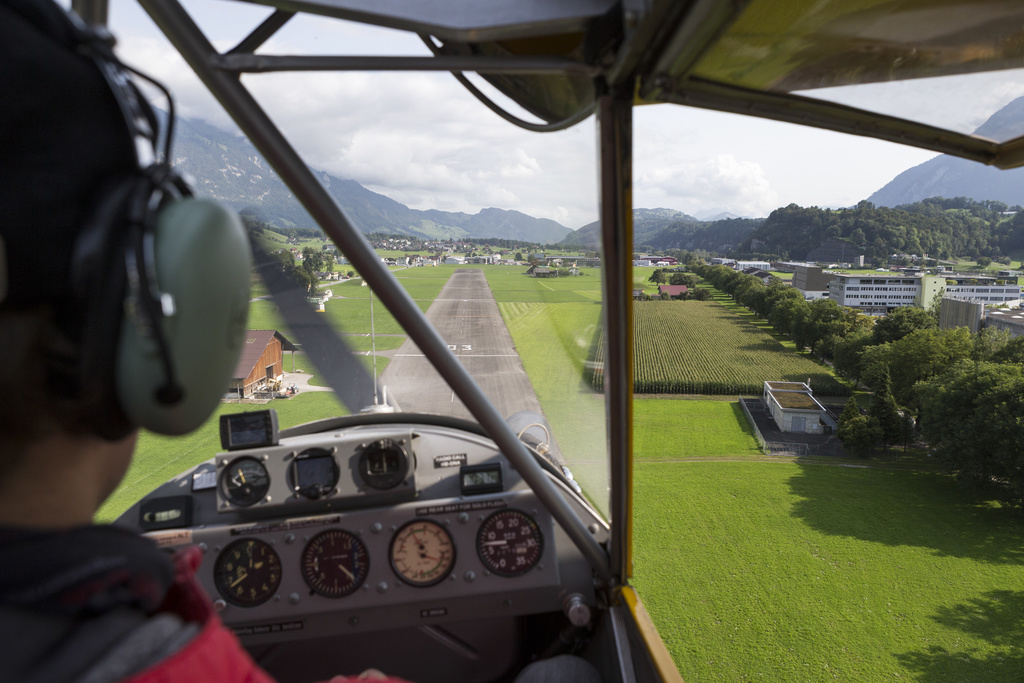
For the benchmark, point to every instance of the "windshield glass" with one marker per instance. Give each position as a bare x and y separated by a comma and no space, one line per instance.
417,165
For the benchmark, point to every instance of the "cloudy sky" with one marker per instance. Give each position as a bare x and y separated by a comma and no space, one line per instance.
422,140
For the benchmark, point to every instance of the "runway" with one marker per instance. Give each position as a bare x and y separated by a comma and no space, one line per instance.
467,318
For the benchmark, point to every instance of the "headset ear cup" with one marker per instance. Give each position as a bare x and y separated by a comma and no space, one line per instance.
203,261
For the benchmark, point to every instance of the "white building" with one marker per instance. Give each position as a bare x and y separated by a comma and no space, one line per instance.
1007,319
877,295
794,408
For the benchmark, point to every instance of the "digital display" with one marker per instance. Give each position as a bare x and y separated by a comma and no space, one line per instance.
248,430
315,472
481,478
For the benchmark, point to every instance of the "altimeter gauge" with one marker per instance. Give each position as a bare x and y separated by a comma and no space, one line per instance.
509,543
335,563
247,572
422,553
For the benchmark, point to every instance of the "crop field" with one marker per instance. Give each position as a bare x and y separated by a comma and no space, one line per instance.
813,571
698,347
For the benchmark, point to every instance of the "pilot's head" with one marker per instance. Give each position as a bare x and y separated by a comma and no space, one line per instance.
122,299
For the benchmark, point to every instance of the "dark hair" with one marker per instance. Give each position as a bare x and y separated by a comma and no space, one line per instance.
28,408
64,139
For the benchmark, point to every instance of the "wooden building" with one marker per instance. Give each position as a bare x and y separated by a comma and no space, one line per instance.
261,362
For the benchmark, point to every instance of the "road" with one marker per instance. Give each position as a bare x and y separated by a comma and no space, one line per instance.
467,318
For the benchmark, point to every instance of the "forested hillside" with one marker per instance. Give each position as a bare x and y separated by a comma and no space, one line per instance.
720,236
940,228
664,229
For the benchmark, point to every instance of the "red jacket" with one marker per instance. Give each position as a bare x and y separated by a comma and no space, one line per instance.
215,654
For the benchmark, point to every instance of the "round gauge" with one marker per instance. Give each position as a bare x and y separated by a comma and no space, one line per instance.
383,464
335,563
422,553
247,572
314,473
509,543
244,481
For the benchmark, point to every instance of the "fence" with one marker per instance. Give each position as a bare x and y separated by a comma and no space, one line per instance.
779,448
822,445
753,425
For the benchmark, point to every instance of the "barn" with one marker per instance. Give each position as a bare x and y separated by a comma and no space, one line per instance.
261,362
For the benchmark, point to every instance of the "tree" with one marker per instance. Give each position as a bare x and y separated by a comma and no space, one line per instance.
919,356
847,352
683,279
858,433
1011,352
700,294
519,256
973,417
658,276
989,342
983,261
883,408
902,322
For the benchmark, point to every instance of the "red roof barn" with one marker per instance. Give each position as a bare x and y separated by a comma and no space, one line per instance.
672,290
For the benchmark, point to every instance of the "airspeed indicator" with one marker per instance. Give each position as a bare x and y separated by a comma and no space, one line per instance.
509,543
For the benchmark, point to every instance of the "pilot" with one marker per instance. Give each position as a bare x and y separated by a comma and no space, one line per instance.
88,205
78,601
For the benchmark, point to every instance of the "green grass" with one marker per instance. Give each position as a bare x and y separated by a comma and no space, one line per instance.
510,283
675,428
159,458
784,571
553,341
367,361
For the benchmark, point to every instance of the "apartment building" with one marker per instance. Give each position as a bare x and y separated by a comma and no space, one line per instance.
878,295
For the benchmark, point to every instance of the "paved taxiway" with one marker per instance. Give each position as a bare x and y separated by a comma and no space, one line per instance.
467,318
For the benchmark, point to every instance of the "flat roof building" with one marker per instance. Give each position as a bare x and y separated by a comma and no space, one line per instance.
878,295
794,408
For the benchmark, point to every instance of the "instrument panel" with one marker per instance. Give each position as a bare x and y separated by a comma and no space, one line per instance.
367,528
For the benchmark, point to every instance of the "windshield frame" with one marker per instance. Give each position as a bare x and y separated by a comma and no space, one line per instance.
189,40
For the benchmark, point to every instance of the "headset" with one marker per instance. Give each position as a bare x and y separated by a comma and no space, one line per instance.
159,284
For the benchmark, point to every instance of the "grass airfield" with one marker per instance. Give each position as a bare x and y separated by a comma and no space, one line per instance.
752,567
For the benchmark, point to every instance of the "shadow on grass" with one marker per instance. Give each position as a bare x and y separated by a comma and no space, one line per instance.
901,507
997,617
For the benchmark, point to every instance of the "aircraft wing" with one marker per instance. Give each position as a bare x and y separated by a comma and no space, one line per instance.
762,58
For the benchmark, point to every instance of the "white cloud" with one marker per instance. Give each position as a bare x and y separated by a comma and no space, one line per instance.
422,140
706,183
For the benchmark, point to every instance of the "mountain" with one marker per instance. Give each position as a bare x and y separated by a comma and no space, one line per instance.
722,236
646,224
228,168
662,229
947,176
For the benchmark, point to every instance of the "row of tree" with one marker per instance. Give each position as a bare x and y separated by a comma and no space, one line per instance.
965,391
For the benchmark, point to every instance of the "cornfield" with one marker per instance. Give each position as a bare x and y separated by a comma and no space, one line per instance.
696,347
